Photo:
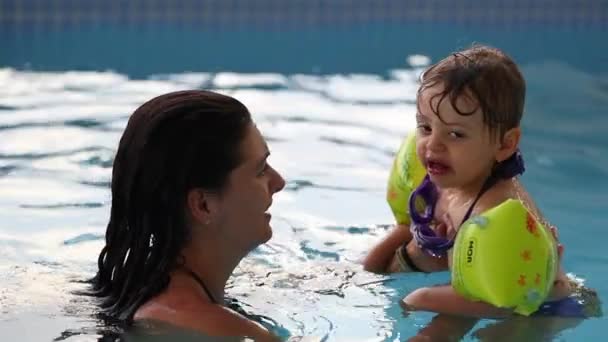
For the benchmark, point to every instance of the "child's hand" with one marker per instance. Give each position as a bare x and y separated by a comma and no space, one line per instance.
425,261
429,263
446,228
561,285
560,247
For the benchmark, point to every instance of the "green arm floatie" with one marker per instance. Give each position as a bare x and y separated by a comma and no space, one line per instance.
407,173
506,258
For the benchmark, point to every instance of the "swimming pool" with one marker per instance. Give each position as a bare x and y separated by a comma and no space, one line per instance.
333,119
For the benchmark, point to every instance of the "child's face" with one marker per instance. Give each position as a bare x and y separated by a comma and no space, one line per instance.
456,150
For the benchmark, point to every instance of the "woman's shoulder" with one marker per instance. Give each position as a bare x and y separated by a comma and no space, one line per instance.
203,317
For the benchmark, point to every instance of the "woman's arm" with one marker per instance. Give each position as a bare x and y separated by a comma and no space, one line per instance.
443,299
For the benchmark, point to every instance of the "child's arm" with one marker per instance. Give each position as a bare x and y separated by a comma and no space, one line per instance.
443,299
561,286
445,328
382,258
514,189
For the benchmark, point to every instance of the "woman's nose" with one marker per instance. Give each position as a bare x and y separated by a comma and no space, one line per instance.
278,182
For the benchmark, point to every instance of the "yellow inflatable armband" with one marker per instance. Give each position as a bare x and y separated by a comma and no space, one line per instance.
407,173
506,258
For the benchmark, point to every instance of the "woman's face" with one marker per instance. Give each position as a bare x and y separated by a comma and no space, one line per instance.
242,216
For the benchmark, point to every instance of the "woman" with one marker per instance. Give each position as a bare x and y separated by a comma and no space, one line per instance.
191,188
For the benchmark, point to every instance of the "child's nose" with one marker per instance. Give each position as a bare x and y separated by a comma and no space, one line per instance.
435,143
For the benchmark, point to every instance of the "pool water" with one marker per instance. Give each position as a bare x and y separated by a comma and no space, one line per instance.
332,135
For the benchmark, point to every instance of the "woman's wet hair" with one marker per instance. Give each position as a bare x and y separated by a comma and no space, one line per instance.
172,144
485,75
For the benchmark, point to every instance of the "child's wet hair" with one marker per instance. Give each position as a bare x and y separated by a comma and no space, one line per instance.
485,75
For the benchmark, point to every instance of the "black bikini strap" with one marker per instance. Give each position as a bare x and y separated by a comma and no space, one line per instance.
486,185
201,283
508,168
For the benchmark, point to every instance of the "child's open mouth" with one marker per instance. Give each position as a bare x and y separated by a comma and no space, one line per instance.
437,168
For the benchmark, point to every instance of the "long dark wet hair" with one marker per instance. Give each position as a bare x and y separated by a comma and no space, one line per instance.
172,144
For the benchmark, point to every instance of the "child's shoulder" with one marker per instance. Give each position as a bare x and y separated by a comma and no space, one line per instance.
504,190
496,195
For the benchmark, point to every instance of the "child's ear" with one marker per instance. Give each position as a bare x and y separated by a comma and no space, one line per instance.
509,144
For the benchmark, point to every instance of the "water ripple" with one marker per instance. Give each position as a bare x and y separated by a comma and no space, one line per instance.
297,185
363,145
313,253
42,155
63,205
7,108
100,184
83,238
7,169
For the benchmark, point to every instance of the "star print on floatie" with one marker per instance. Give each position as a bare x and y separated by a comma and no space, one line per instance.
522,280
526,255
392,194
537,279
531,225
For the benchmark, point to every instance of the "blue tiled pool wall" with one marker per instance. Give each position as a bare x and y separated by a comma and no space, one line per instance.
142,37
282,14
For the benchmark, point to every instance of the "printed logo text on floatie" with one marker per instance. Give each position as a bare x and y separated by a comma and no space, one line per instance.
471,251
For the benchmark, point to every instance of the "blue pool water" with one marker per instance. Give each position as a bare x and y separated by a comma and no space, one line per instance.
333,128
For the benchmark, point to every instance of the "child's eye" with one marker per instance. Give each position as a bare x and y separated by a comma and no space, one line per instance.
424,128
456,134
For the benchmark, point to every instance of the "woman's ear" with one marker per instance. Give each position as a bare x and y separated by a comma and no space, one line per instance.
200,206
509,144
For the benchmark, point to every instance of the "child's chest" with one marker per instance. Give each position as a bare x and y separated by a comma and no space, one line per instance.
454,206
